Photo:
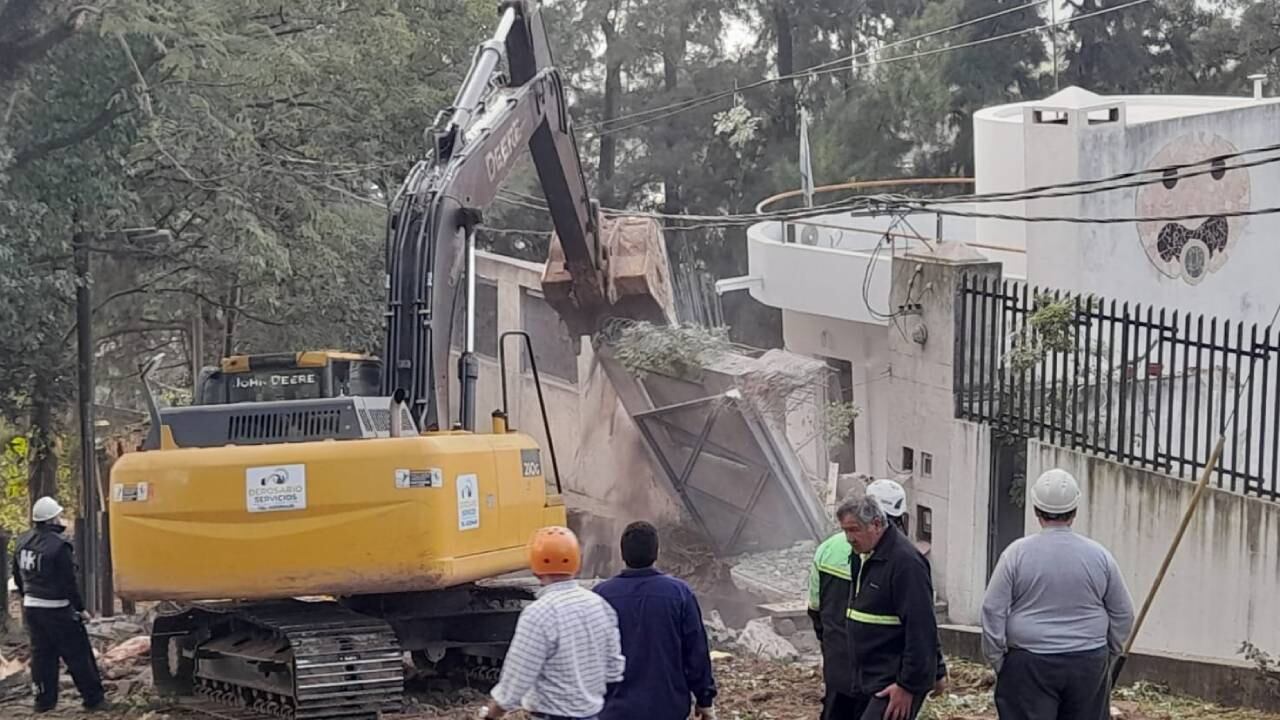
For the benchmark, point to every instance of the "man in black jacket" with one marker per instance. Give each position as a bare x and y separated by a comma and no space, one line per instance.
829,587
44,571
892,630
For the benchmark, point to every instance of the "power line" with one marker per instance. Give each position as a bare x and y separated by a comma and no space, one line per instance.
877,203
807,71
693,103
920,207
1042,191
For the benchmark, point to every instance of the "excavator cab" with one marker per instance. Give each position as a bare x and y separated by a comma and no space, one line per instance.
289,376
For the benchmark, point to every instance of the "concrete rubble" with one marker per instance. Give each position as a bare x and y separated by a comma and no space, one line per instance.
777,575
759,638
719,635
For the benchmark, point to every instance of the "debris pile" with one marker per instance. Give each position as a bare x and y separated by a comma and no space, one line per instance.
759,638
778,575
122,646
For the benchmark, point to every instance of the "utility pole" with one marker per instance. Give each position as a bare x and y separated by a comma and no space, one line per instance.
87,536
1053,39
93,523
197,345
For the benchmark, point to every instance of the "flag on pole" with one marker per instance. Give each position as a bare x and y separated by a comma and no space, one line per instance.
806,165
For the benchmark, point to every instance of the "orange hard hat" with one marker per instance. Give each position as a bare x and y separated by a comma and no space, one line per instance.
554,551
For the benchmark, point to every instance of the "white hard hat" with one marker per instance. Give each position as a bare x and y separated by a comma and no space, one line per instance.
890,495
1055,492
45,509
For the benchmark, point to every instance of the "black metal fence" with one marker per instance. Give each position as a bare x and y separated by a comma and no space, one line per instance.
1149,387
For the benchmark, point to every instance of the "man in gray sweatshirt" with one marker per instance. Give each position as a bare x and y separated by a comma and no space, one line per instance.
1056,610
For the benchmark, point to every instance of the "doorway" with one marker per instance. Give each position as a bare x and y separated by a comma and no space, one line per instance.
1006,520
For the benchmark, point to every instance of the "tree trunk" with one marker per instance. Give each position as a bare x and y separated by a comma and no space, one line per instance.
42,476
612,91
786,65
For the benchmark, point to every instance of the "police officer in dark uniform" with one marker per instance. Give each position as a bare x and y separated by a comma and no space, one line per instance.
44,571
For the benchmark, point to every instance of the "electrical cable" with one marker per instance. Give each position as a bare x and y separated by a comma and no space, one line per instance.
841,61
1084,220
1042,191
875,204
693,103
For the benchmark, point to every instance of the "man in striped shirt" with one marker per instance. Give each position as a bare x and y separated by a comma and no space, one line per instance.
566,647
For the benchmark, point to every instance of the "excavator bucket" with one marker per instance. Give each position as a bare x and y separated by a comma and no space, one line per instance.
637,277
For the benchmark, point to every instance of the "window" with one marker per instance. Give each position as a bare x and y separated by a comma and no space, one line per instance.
908,459
924,524
486,320
1049,117
553,348
840,388
926,464
1103,115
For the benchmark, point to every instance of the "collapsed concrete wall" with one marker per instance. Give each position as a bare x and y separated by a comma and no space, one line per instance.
736,448
606,478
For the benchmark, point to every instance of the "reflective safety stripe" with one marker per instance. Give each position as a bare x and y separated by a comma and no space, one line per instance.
870,619
836,570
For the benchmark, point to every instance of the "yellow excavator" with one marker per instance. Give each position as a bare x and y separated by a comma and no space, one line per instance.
305,540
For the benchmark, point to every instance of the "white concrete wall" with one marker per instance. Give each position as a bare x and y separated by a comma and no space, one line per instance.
998,167
921,415
1148,132
962,525
866,348
1223,584
822,272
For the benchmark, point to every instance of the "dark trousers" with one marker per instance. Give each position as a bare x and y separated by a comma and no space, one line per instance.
861,706
58,634
1069,686
840,706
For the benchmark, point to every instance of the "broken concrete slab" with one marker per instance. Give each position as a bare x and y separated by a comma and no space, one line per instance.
780,575
759,638
791,610
718,634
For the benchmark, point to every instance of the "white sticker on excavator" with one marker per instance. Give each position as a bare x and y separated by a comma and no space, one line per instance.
468,502
406,478
275,487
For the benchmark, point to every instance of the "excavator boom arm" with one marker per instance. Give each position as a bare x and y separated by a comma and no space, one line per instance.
434,215
431,229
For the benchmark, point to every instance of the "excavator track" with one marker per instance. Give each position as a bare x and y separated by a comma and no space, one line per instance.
296,660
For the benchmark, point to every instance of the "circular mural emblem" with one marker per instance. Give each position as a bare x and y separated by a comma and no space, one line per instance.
1192,249
1195,260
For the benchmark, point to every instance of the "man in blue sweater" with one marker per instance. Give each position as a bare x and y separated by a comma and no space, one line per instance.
663,639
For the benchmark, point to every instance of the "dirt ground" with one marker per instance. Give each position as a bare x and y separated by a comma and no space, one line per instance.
750,689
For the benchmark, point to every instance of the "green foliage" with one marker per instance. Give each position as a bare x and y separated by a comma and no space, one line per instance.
15,502
837,417
1265,663
675,350
1050,328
